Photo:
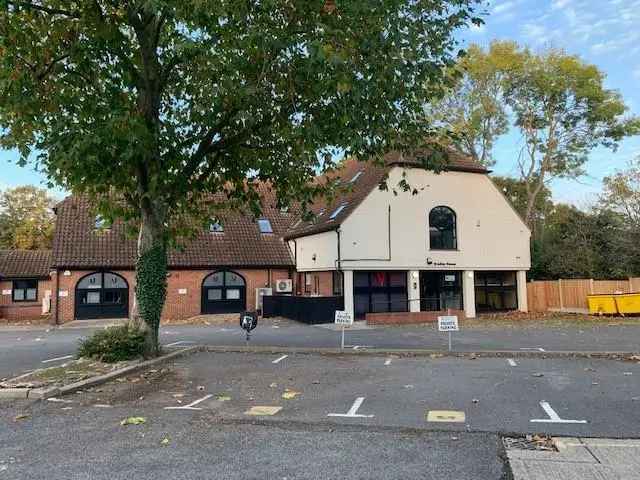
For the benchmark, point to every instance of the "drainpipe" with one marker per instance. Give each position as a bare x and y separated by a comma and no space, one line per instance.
56,298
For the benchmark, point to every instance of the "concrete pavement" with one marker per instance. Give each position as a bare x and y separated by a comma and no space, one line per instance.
579,459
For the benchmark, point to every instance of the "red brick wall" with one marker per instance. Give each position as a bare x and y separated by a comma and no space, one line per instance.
320,283
185,305
66,304
394,318
178,305
11,311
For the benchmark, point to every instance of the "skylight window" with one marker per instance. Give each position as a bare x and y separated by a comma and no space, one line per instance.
265,225
216,227
101,223
337,211
356,176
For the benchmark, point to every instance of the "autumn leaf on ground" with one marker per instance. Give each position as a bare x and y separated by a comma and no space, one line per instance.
133,421
290,394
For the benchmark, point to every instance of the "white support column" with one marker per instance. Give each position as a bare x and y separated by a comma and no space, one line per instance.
521,279
469,293
414,291
348,292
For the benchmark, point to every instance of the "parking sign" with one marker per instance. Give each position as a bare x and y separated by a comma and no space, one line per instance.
343,318
448,323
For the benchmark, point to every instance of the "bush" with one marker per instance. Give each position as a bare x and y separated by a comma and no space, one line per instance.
114,344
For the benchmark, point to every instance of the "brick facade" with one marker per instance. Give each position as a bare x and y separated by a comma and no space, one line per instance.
183,290
394,318
315,283
11,311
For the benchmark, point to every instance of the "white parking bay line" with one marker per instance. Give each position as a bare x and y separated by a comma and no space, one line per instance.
353,411
181,342
278,360
553,416
192,405
512,362
57,359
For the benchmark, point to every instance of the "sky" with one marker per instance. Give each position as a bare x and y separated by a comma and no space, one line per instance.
601,32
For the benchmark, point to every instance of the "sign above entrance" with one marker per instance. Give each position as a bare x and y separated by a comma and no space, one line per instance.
343,318
448,323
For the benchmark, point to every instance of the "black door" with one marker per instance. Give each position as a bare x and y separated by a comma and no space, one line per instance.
440,291
102,295
224,292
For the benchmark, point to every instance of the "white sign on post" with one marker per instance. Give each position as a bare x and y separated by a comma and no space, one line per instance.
448,323
345,319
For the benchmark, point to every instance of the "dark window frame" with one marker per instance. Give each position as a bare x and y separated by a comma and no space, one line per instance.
386,289
25,288
502,289
439,243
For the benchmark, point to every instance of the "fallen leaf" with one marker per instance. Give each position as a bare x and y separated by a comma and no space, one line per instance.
133,421
165,441
223,397
22,416
290,394
537,374
589,369
436,355
273,385
178,395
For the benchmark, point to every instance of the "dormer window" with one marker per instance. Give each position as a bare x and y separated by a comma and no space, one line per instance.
265,225
216,227
337,211
101,223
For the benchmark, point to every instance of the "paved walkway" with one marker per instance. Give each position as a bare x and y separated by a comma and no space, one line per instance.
579,459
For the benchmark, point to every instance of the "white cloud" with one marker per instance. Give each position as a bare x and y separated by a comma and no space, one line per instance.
560,4
636,72
503,7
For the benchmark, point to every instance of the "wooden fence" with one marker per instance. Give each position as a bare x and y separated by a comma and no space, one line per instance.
571,295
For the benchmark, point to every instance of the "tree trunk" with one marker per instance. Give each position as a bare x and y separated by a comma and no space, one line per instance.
151,275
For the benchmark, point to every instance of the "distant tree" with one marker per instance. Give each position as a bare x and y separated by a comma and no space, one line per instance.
472,115
556,101
585,244
563,111
26,218
622,193
162,103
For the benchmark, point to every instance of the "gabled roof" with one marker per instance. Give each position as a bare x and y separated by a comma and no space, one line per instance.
77,244
371,176
25,263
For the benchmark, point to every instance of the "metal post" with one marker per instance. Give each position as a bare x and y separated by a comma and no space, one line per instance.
342,343
449,313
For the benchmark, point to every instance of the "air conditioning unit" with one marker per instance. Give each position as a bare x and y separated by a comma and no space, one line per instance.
284,286
261,292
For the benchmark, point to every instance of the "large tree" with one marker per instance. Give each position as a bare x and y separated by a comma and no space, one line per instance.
622,193
160,103
26,218
472,114
556,102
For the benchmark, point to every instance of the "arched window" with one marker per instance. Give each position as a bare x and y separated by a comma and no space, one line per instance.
102,295
224,292
442,229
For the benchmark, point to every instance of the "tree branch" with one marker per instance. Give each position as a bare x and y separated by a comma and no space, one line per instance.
42,8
